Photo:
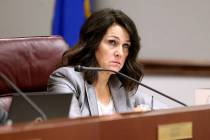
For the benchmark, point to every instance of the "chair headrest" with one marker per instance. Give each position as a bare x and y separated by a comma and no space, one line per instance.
28,61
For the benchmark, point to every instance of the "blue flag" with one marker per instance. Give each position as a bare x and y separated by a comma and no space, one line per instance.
69,16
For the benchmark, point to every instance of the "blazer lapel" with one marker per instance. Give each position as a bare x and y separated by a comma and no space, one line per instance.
118,94
91,97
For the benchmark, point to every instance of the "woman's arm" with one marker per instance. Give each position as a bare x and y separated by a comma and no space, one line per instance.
64,80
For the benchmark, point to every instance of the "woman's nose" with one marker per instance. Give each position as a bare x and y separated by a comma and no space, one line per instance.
119,51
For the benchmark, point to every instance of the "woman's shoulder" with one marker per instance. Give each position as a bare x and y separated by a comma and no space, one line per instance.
66,80
67,73
66,69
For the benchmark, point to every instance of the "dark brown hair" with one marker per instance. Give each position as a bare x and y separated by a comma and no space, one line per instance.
91,34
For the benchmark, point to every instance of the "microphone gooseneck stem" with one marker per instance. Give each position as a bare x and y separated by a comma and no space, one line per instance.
79,68
30,102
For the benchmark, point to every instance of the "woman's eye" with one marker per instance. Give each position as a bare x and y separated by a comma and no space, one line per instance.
126,46
112,42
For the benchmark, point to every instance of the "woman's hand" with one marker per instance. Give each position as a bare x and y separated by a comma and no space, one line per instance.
142,108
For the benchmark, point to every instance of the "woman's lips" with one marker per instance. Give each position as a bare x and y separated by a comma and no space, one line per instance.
116,62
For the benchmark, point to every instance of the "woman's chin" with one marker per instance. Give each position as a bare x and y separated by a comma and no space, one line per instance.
116,68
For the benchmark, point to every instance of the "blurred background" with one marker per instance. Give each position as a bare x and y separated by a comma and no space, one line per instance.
175,38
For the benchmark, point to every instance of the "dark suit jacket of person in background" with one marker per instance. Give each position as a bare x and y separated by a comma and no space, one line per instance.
3,116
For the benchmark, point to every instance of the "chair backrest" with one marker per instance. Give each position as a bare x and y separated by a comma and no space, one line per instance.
28,61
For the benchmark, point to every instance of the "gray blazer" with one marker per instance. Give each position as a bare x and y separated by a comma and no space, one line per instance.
84,103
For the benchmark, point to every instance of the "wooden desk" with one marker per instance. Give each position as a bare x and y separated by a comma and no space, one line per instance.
128,126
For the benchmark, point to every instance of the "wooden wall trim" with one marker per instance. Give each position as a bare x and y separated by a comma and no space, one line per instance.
175,67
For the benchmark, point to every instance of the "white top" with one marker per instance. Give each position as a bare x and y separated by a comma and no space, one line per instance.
107,109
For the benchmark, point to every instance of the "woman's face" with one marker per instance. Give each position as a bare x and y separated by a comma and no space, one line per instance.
114,48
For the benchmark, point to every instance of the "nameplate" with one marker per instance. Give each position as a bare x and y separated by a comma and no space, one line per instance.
175,131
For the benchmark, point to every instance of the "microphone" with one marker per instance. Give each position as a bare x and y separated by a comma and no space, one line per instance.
81,68
26,98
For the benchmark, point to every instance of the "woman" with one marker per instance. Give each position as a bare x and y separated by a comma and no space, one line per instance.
108,39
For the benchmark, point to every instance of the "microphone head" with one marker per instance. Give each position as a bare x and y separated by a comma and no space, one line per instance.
78,68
